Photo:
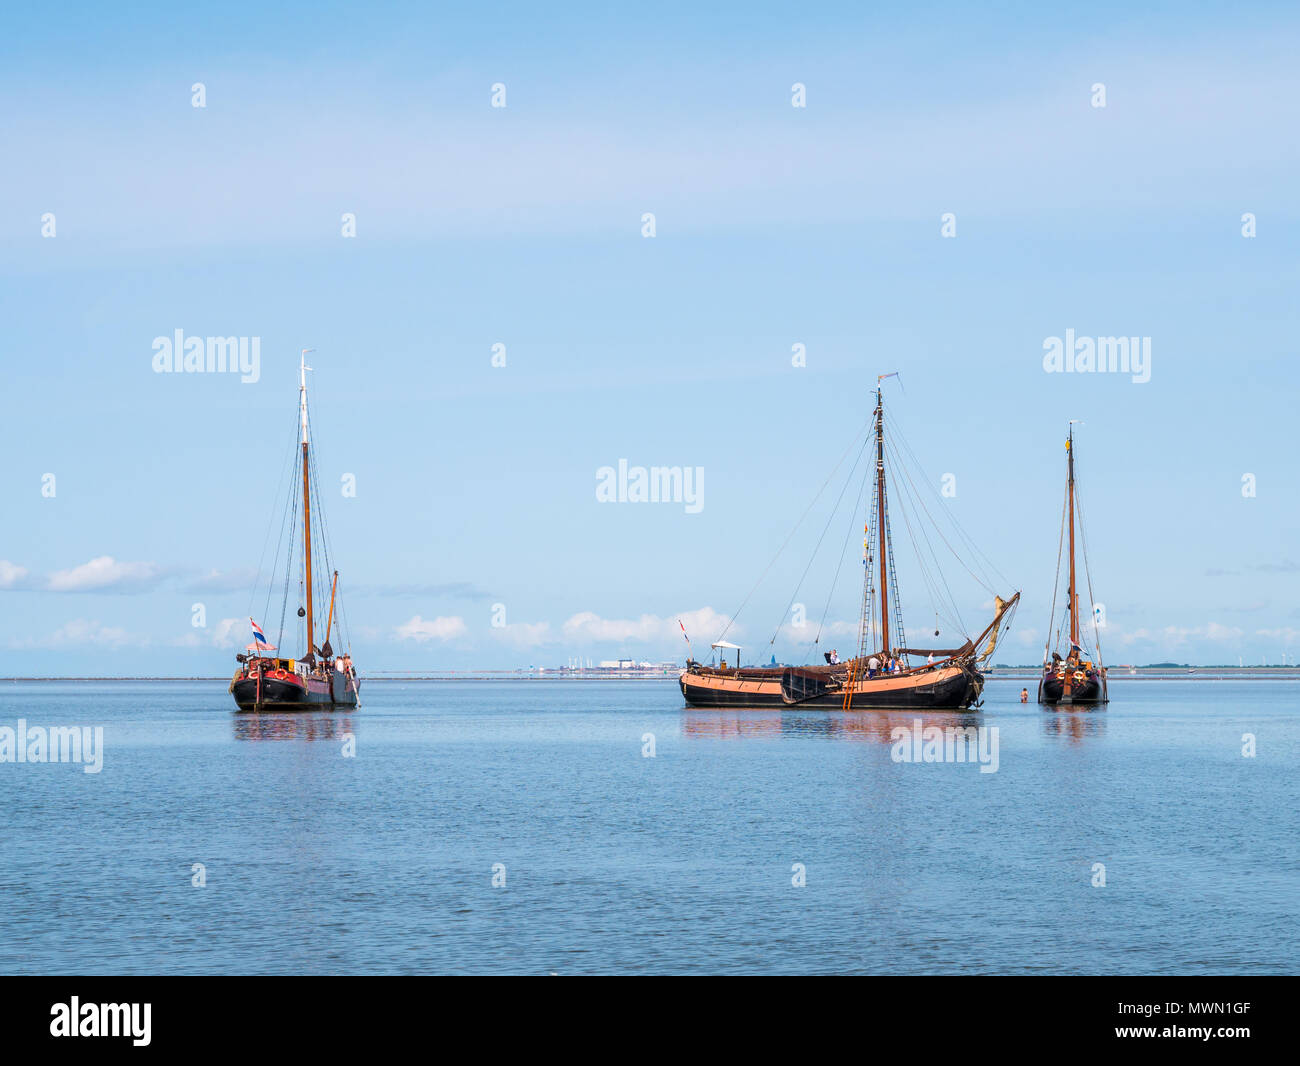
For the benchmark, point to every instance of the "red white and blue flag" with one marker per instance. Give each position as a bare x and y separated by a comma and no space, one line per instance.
260,642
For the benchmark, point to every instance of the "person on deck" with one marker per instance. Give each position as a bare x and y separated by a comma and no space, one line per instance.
835,657
873,664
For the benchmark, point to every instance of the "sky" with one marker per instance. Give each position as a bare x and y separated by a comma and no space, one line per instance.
951,196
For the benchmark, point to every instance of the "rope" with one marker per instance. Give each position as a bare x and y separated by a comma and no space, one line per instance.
966,537
844,550
1056,582
978,579
1087,571
731,621
825,529
286,472
907,481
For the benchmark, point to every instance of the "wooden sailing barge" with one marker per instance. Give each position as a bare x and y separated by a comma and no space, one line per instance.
881,674
1078,677
320,677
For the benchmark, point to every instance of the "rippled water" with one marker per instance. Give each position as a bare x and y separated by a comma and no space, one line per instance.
615,862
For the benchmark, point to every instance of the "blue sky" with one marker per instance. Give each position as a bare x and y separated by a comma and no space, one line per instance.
775,226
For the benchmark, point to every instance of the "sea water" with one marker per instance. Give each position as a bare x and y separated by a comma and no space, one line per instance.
543,827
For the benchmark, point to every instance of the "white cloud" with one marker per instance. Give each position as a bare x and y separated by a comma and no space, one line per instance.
705,624
231,633
103,572
11,574
1287,635
228,633
418,629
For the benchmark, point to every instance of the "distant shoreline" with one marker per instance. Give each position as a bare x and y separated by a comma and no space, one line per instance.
1115,673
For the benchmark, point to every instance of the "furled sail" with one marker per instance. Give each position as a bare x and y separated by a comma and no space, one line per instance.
999,609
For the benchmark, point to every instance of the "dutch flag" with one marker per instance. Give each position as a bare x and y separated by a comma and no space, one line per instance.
260,642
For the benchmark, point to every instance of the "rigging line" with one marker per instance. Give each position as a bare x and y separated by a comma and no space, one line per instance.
985,585
1056,581
321,531
839,462
931,584
345,631
982,578
319,574
288,520
909,497
980,560
857,507
288,571
340,618
1087,572
257,581
867,611
892,569
323,526
825,529
284,525
970,541
903,500
918,468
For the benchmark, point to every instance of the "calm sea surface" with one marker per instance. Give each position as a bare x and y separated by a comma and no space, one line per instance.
614,862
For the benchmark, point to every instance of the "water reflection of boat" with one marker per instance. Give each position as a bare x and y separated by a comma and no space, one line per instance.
880,675
268,725
732,725
859,725
1075,722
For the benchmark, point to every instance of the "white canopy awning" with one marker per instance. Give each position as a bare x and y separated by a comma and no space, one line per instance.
726,644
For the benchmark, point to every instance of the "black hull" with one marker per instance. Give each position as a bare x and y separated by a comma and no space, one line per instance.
1051,690
287,696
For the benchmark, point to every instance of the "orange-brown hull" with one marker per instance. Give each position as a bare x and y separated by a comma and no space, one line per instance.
935,688
949,687
750,688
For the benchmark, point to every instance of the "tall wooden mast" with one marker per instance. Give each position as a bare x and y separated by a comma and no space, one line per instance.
880,517
1074,598
306,497
329,618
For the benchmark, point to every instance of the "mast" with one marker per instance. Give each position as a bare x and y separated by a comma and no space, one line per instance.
880,517
1074,599
306,495
329,620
